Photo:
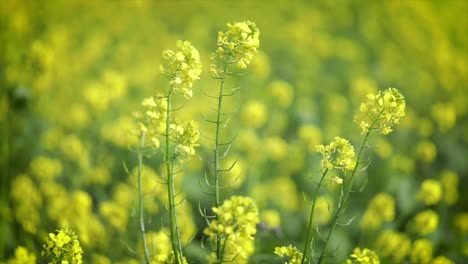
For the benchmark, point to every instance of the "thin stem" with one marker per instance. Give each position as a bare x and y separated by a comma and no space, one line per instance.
175,238
343,202
140,197
309,229
217,199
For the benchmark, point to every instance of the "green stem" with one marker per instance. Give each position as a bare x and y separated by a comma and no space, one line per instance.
219,253
175,237
343,202
140,197
309,229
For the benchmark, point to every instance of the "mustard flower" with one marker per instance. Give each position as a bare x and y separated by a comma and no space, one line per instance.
421,251
310,136
461,223
63,247
237,45
364,256
45,168
292,254
27,200
22,256
393,245
182,67
186,136
339,154
236,226
153,120
254,114
282,93
430,192
381,111
442,260
425,222
380,209
238,214
271,218
449,181
336,181
426,151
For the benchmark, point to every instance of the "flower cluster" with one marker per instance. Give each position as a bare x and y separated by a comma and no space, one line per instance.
293,255
393,245
381,111
425,222
182,67
64,247
22,256
153,120
186,136
430,192
339,154
381,209
237,45
364,256
235,225
422,251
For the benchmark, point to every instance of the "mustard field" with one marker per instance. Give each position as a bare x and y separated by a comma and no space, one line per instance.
273,132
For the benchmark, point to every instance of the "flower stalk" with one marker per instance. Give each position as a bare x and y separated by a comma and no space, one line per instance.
140,197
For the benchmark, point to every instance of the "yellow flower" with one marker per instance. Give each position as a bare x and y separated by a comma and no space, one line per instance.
430,192
449,182
381,209
425,222
441,260
235,226
63,247
421,251
364,256
254,114
381,111
293,255
339,154
461,223
393,245
22,256
282,92
182,67
237,45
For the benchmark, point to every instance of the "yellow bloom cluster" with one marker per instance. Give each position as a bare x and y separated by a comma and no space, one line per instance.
364,256
421,251
381,111
27,199
182,67
393,245
153,120
235,225
63,247
293,254
425,222
339,154
442,260
22,256
430,192
449,181
381,209
237,45
186,136
461,223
